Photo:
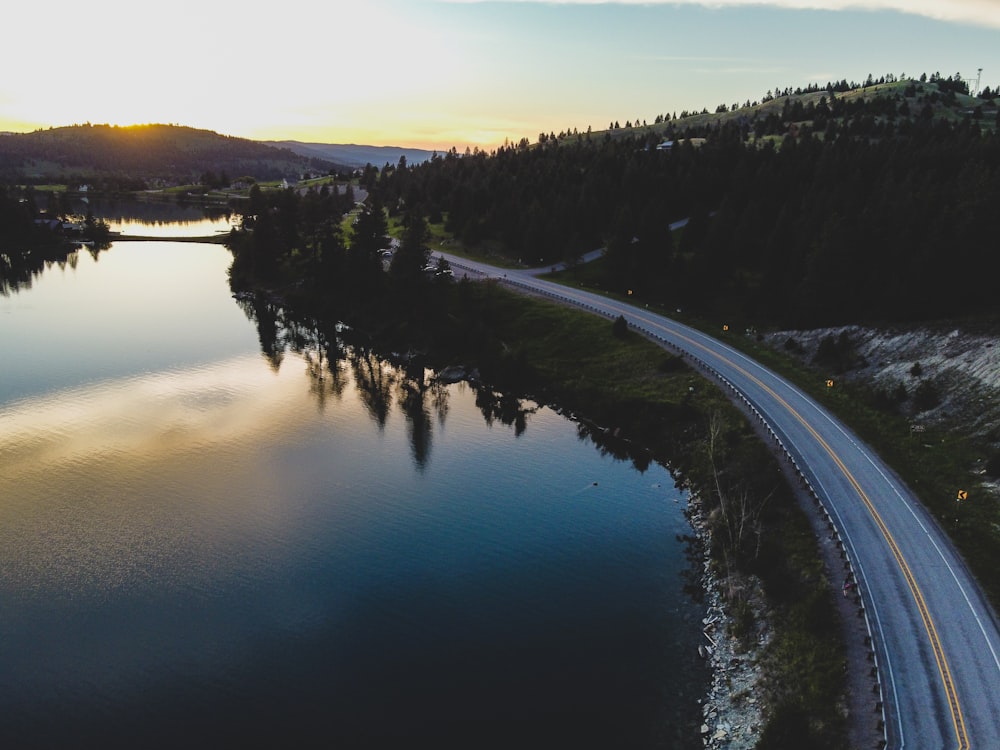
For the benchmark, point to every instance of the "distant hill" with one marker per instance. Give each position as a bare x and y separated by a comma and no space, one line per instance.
123,156
354,156
135,157
855,106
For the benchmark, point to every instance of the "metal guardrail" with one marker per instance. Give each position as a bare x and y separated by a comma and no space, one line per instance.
818,499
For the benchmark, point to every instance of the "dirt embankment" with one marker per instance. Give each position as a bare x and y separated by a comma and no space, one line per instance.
945,377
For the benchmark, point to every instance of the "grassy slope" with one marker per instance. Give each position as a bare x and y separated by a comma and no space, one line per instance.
776,106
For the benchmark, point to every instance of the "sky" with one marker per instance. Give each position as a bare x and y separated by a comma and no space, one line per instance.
439,74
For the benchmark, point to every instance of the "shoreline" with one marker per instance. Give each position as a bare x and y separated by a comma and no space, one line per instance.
732,713
731,705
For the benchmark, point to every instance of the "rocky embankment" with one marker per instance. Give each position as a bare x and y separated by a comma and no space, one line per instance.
945,377
733,710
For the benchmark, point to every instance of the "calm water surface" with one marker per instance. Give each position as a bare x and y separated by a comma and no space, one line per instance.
204,546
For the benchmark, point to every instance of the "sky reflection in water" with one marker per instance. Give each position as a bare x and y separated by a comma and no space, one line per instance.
193,543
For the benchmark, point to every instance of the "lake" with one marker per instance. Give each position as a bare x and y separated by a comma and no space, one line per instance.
205,545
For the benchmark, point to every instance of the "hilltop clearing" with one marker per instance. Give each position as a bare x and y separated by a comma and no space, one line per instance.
866,108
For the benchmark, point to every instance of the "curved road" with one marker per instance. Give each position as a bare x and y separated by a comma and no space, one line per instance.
935,639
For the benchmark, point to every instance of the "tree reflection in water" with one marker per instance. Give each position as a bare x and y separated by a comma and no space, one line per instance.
412,394
335,358
267,317
503,407
326,368
374,378
334,362
20,267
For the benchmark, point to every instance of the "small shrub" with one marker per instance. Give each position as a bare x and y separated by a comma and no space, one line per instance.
926,396
788,728
916,371
670,363
889,398
838,353
743,624
883,401
993,466
620,327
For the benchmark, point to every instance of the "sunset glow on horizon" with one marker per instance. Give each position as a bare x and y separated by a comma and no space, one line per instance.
437,75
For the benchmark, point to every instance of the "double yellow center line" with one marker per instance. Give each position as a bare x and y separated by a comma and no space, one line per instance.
948,683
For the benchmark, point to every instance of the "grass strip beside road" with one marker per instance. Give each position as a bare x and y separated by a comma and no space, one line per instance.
664,410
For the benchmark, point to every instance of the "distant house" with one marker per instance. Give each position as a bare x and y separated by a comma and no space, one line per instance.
668,145
285,184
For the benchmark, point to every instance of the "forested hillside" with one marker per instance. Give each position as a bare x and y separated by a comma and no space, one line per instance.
871,208
863,203
131,157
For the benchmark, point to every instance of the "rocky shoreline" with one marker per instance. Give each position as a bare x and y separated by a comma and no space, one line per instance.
733,710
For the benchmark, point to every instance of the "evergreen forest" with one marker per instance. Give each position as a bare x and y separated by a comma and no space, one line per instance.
871,202
806,230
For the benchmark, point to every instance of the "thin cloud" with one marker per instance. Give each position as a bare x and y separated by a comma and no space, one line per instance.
974,12
718,65
692,58
742,71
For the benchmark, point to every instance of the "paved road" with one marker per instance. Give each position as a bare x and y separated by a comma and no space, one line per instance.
935,640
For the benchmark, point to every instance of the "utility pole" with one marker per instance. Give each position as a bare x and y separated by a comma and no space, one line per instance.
974,90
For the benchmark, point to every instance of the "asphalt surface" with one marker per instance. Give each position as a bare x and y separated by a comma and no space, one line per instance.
935,641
